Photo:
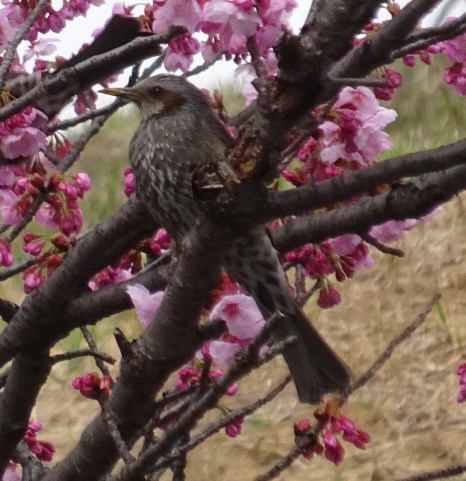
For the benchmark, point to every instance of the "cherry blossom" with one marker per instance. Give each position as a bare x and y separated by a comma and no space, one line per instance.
145,303
6,256
20,135
461,371
10,473
233,429
184,13
356,134
180,51
455,50
44,450
334,423
92,386
392,230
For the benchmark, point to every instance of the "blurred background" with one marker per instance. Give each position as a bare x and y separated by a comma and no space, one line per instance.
409,408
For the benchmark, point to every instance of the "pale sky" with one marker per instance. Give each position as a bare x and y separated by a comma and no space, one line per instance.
80,31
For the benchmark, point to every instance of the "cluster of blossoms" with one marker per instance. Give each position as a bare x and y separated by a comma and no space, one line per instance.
461,371
329,445
243,321
350,138
44,450
15,13
21,135
131,263
342,256
18,190
455,50
92,386
215,26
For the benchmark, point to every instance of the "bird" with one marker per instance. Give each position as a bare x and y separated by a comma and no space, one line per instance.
178,133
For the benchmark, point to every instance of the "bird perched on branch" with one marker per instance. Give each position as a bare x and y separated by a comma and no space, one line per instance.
178,133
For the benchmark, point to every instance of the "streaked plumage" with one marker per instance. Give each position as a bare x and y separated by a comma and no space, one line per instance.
178,131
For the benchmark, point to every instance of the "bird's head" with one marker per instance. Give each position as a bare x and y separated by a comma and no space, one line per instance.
161,95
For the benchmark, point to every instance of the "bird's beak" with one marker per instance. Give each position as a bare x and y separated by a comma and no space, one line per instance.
125,92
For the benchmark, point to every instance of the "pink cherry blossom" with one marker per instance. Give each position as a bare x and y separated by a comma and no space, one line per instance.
333,450
328,297
110,275
356,135
233,24
6,257
180,51
32,279
7,30
455,75
184,13
32,243
129,185
91,385
160,242
241,314
223,353
233,428
44,450
40,47
392,230
454,48
461,371
145,303
351,245
20,135
10,473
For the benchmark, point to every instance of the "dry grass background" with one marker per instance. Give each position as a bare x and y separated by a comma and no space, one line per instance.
409,407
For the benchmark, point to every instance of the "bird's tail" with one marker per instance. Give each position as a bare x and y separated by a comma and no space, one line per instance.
315,367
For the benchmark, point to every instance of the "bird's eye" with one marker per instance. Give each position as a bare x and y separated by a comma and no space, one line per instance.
156,91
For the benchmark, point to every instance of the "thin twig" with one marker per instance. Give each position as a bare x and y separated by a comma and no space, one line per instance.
61,79
112,427
284,463
93,348
317,285
429,36
66,356
256,58
17,268
205,66
392,251
438,474
247,359
304,441
390,349
13,45
92,114
355,82
215,427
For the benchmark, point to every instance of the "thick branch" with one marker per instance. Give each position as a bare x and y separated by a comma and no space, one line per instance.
38,322
377,49
27,374
166,343
337,189
73,79
411,200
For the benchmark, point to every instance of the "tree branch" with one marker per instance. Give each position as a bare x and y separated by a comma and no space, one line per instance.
411,200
